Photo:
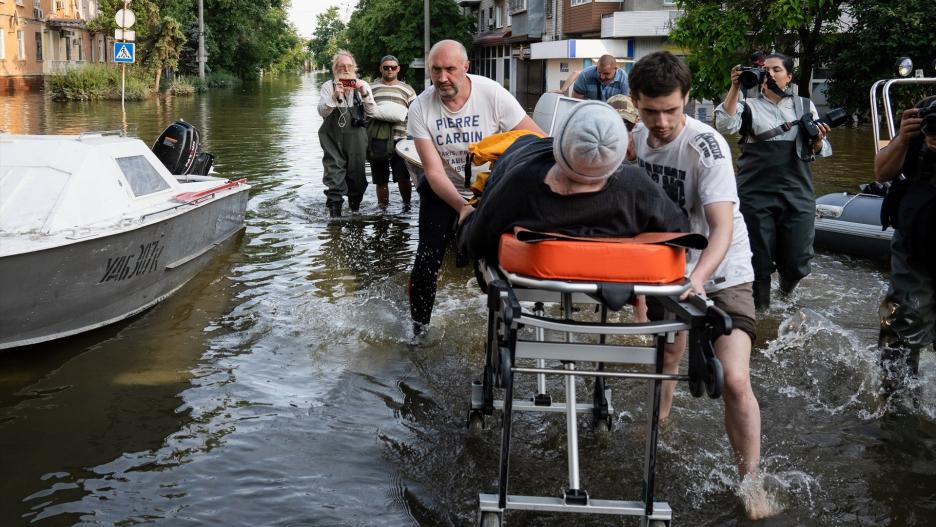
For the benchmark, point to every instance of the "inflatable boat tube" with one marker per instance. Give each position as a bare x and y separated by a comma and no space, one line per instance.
851,224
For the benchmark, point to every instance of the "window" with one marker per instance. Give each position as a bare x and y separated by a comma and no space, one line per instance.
549,8
669,2
517,6
507,73
580,2
2,45
38,46
68,55
143,178
21,45
79,43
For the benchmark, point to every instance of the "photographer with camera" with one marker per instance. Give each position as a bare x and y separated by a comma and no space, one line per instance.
345,103
908,312
780,135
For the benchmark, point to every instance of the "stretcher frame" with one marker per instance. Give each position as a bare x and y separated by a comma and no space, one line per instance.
504,347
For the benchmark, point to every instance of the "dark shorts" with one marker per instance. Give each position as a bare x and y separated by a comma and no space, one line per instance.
381,170
737,301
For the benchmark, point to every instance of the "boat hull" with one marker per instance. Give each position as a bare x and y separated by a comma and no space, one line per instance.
65,290
850,224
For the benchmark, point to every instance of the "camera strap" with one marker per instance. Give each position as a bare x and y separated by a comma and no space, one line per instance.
783,127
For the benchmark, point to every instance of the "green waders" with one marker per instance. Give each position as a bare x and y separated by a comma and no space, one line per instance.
779,207
344,147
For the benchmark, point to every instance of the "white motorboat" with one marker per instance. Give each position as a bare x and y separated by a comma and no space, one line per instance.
94,228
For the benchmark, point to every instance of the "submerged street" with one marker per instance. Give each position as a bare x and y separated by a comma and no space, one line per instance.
280,387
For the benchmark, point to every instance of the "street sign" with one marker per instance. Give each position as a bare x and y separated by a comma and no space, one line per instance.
125,18
125,34
124,52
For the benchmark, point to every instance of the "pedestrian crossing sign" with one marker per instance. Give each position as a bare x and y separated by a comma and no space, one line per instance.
124,52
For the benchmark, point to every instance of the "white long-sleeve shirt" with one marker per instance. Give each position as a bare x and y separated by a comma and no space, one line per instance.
766,115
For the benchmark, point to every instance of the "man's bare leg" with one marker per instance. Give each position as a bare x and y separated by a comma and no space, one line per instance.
742,414
406,190
383,194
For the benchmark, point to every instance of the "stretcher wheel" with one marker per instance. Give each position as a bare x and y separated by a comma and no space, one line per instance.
491,519
714,377
505,366
697,387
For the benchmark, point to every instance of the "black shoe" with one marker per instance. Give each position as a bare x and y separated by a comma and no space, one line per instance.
761,294
354,205
334,210
787,286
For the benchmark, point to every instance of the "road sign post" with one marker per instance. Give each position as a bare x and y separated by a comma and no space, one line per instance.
124,52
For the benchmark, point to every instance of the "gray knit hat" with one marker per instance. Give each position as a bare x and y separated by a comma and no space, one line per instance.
591,142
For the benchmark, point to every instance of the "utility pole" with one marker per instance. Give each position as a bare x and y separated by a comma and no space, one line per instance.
426,41
201,40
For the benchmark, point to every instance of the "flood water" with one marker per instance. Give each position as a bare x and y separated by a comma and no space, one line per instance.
279,387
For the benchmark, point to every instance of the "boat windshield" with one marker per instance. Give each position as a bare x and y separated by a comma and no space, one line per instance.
143,178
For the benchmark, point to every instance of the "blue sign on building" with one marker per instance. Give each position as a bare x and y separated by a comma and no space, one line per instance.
124,52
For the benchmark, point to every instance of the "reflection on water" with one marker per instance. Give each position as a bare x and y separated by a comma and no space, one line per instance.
279,387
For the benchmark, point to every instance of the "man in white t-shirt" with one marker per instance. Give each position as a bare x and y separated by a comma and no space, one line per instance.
692,163
458,109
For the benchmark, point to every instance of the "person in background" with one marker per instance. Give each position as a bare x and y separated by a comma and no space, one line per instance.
692,163
391,90
908,312
601,81
344,104
628,112
774,180
458,109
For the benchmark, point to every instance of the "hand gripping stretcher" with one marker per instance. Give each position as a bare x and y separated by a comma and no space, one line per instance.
546,269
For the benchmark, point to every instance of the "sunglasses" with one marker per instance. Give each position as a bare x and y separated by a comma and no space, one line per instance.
390,68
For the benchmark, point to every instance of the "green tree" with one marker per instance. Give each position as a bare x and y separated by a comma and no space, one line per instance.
379,27
327,36
246,37
168,41
868,50
720,34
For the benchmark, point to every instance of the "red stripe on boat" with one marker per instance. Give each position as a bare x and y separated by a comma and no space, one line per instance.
187,197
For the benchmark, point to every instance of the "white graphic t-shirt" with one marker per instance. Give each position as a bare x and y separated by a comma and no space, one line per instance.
695,170
489,109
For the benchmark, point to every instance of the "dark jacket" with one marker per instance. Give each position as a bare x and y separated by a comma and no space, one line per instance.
516,195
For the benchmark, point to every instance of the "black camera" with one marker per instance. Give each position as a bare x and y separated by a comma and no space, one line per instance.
833,119
928,114
752,76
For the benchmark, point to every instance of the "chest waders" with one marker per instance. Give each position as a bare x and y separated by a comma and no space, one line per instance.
777,201
344,151
908,311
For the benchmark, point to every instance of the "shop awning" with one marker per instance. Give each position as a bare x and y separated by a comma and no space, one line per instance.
492,38
65,23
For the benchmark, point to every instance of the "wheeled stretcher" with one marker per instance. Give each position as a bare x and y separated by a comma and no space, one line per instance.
537,270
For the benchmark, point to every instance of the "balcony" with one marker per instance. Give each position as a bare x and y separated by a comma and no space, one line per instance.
623,24
469,3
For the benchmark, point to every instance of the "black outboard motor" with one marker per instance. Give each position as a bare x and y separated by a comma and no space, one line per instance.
177,148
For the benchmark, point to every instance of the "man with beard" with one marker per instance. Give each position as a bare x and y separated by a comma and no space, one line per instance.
389,90
458,109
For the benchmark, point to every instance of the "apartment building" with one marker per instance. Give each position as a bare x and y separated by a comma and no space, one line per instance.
41,37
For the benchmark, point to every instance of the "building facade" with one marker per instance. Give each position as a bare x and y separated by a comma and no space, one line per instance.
42,37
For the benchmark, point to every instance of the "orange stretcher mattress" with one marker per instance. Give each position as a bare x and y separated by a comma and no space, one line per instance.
649,258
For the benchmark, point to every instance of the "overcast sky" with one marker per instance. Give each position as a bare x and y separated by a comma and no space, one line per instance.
303,13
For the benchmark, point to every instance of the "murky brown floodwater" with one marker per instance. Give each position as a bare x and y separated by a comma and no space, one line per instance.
278,387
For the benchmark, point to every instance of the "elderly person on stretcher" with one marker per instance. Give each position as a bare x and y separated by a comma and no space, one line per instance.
572,184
